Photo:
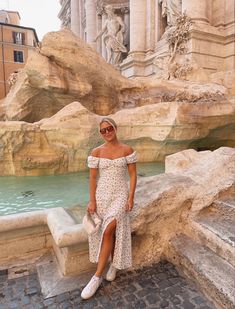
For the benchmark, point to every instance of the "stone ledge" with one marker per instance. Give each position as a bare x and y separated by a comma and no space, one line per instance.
36,231
64,230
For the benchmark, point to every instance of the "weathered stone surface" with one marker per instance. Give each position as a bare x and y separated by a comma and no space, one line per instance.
163,201
62,143
66,69
156,117
63,70
226,79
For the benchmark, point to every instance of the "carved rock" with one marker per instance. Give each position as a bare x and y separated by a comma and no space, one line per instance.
156,117
165,202
61,144
64,69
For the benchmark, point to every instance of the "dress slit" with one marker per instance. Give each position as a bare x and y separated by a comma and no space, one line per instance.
102,235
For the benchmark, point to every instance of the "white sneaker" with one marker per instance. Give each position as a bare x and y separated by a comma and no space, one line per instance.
111,273
91,287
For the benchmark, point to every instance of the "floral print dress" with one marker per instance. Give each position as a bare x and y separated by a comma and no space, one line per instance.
111,198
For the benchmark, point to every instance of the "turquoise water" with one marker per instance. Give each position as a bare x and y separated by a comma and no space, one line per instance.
21,194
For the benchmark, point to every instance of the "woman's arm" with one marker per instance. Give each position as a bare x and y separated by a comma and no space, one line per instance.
133,180
91,207
92,188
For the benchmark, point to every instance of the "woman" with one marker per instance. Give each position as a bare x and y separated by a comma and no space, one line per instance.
112,200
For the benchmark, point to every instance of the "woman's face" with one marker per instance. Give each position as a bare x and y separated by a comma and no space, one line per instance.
107,131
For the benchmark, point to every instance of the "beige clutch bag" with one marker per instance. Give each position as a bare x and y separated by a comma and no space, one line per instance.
91,223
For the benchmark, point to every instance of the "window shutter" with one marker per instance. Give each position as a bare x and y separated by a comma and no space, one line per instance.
23,38
14,37
15,56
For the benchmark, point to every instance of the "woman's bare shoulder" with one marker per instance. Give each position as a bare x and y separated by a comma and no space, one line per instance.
96,151
127,149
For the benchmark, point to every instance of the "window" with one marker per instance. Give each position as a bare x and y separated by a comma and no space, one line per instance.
18,38
18,56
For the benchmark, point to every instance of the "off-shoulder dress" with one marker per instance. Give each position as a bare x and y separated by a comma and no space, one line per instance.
111,198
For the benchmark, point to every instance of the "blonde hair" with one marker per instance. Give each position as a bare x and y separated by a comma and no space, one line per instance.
110,121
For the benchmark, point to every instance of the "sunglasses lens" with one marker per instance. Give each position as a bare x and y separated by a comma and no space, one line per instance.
108,129
103,131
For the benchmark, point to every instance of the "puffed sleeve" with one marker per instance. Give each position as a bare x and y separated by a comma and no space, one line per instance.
131,158
93,162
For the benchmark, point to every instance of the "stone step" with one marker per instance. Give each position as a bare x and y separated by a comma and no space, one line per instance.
229,204
215,228
214,276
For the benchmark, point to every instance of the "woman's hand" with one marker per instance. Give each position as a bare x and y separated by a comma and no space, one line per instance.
91,207
129,204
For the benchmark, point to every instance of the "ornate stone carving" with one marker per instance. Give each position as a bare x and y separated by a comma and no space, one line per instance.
175,39
178,38
171,9
65,14
125,10
113,31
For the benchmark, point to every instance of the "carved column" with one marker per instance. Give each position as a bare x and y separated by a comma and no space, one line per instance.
91,28
126,19
104,53
150,25
75,18
99,24
157,21
137,26
198,10
81,18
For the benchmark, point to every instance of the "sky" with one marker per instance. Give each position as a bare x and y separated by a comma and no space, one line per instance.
38,14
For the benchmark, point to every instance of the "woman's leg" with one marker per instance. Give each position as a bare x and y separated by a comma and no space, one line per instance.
112,252
106,247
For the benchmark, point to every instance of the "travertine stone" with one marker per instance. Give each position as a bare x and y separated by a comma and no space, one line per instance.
91,30
64,70
138,23
113,31
186,114
212,273
197,10
177,195
62,143
211,43
75,24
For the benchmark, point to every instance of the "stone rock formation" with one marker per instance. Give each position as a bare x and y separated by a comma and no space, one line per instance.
44,132
186,216
164,201
61,144
64,69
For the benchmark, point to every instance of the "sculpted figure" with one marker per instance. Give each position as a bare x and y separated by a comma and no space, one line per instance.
113,31
171,9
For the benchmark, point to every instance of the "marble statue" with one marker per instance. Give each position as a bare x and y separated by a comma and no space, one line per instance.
113,31
171,9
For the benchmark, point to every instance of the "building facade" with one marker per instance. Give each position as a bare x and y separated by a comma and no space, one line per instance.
153,33
16,42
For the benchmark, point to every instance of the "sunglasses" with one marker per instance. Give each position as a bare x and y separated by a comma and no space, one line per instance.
108,129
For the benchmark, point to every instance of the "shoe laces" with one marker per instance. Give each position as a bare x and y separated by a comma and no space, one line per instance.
96,279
